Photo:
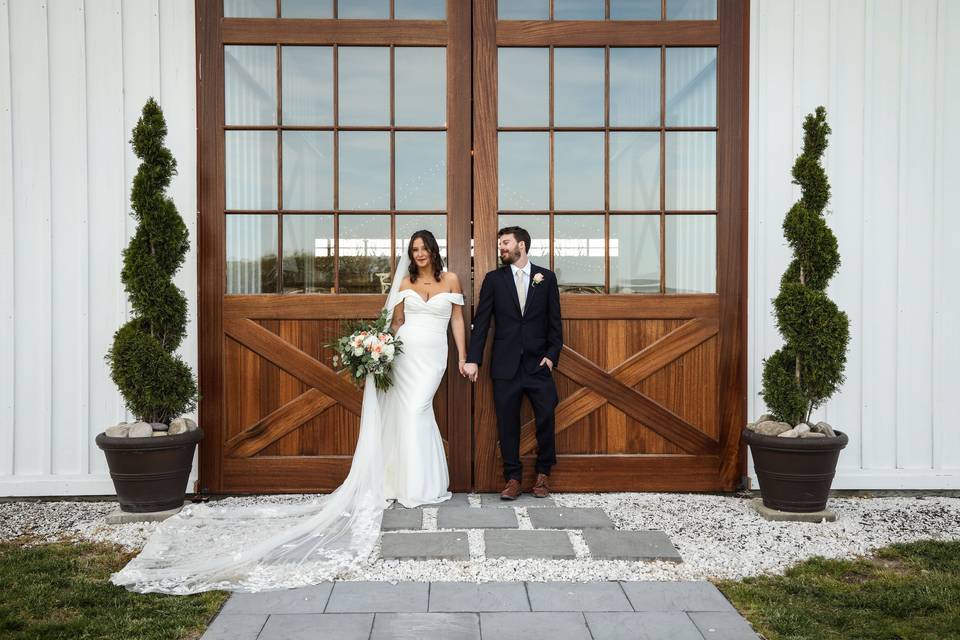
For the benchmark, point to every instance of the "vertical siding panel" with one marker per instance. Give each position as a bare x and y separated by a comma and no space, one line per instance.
31,211
106,142
754,262
69,236
880,194
946,236
7,323
845,217
915,235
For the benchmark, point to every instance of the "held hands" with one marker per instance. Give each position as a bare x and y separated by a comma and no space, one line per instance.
469,370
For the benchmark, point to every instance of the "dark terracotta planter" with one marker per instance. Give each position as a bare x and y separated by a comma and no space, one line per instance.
150,474
795,474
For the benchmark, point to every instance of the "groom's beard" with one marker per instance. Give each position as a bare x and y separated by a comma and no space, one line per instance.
510,257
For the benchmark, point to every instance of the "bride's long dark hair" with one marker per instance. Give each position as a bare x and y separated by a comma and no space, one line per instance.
431,245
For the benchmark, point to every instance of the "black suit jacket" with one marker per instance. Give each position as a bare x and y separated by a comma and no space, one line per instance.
519,339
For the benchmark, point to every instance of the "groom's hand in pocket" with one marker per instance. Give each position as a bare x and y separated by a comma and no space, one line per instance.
548,362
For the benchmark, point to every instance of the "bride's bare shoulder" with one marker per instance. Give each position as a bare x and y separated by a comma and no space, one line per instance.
452,281
405,283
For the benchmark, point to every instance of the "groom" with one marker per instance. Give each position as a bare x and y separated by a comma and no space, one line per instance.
526,347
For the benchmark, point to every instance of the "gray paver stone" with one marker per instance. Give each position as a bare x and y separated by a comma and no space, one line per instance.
311,626
630,545
398,519
426,626
483,596
470,518
722,626
451,545
675,596
650,625
374,597
310,599
534,626
523,500
513,543
577,596
569,518
235,626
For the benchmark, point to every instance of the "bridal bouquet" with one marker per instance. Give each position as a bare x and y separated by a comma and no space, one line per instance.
369,348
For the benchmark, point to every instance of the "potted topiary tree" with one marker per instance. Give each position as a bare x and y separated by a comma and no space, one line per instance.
150,460
794,460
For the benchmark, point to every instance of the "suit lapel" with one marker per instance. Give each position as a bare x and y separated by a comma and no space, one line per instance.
512,287
530,287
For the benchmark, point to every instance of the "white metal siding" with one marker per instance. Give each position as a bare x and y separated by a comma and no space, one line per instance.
74,75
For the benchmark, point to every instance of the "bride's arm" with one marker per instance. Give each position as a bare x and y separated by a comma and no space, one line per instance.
456,320
397,320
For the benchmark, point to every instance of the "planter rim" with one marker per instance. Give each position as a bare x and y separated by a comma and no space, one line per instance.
106,442
796,444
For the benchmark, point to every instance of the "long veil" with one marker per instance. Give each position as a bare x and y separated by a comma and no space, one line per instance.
274,546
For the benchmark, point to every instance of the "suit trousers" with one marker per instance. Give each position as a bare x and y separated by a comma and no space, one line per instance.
540,388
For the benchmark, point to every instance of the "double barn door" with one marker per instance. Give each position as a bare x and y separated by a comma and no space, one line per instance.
613,131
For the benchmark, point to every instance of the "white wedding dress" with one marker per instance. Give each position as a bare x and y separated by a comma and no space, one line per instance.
399,455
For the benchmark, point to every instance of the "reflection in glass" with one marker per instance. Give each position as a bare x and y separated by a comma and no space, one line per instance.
634,171
691,254
421,169
306,9
691,9
691,87
251,253
364,253
523,173
308,245
364,91
578,253
578,9
249,9
307,170
578,170
420,9
634,10
538,226
364,170
363,9
634,87
578,87
691,179
407,224
635,254
250,84
523,10
251,169
307,85
523,87
420,86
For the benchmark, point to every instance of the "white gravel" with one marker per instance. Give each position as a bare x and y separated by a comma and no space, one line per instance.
717,536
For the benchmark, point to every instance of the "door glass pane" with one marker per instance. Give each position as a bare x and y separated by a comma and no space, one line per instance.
308,254
691,254
306,9
634,171
407,224
307,170
375,9
421,169
523,10
634,87
578,170
364,170
578,87
523,171
691,87
635,254
364,253
307,85
251,169
578,253
250,85
691,9
420,86
523,87
539,229
249,8
364,91
578,9
634,10
691,179
251,253
420,9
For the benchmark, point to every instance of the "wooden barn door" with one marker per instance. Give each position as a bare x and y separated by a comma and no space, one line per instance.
328,134
615,133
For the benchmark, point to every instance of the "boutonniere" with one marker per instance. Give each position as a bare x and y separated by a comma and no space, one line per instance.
537,279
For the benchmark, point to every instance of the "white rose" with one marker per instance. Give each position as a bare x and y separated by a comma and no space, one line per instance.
358,351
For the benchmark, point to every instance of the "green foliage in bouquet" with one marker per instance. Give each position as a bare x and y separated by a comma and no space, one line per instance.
808,369
362,359
155,383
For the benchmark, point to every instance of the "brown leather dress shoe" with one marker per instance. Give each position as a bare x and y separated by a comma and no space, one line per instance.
541,489
511,491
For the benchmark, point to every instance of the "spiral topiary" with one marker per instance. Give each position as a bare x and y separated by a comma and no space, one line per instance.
808,369
155,383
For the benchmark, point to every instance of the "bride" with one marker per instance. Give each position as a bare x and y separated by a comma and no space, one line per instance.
399,456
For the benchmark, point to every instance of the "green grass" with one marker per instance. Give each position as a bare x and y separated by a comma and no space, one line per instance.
63,590
909,591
